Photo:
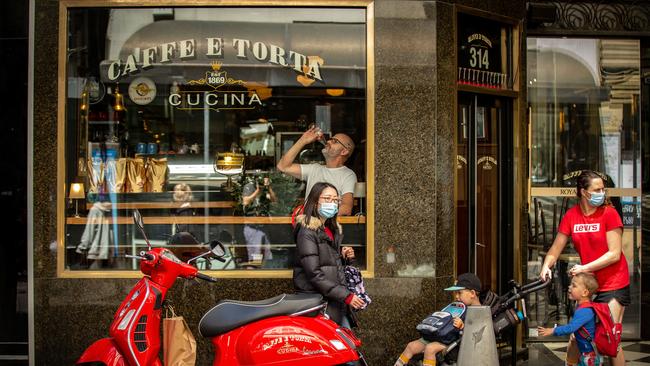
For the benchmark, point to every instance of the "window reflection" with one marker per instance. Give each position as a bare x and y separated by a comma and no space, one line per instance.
183,113
583,99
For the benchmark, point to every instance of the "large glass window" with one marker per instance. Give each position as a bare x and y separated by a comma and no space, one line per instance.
584,113
183,114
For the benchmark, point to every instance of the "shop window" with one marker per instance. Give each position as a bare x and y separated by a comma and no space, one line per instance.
184,113
583,97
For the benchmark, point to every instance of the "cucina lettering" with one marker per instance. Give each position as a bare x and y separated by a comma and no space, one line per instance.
199,100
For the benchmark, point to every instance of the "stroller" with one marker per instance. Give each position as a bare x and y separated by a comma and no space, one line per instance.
505,315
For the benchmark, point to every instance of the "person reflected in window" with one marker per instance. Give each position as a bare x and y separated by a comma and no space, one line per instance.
596,230
180,146
97,239
319,260
257,195
336,151
183,198
183,241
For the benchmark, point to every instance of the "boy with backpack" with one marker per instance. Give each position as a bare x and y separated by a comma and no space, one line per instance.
466,290
583,323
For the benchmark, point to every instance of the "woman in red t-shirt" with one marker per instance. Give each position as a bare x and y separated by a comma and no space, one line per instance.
596,231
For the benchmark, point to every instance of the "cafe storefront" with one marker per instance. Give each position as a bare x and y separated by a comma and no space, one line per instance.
182,110
188,114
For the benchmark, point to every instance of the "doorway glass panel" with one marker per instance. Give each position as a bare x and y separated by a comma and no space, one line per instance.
583,97
477,186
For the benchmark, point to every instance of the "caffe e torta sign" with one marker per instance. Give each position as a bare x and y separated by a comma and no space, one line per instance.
215,47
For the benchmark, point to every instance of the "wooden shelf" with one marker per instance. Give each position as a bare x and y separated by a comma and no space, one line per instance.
168,220
168,205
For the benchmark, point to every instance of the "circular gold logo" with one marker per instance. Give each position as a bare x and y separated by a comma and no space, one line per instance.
142,91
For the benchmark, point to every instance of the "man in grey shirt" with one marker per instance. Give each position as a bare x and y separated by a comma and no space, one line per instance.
336,151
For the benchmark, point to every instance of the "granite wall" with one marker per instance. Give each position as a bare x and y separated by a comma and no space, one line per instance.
414,197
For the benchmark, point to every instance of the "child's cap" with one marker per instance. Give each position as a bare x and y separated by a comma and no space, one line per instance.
466,281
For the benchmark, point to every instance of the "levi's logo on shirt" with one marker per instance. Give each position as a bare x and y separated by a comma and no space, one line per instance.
586,228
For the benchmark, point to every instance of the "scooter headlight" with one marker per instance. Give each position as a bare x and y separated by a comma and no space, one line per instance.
338,344
347,339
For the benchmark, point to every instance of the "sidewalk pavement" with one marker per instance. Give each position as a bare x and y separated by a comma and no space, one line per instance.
553,354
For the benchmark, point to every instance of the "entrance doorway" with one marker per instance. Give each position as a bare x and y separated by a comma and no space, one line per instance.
483,245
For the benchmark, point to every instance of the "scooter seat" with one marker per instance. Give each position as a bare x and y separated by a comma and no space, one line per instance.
230,314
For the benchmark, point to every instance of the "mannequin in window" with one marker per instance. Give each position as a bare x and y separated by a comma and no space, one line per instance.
97,238
257,195
183,241
183,197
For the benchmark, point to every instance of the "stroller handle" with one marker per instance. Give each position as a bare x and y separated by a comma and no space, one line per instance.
534,286
525,290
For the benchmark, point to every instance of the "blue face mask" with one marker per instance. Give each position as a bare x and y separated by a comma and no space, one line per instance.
328,209
597,199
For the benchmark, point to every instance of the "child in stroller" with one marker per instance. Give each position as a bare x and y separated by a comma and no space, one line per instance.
466,291
504,316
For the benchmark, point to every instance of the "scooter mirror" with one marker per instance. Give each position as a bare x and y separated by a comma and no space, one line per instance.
137,219
217,248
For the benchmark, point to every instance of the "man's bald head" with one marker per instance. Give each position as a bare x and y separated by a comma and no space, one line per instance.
347,143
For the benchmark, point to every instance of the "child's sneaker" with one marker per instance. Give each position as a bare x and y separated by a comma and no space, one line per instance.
590,359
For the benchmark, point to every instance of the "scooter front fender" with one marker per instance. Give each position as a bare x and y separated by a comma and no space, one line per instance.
104,351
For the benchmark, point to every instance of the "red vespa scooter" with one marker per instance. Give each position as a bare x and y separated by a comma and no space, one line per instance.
287,330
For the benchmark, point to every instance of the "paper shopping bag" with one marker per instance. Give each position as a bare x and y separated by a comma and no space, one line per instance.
179,345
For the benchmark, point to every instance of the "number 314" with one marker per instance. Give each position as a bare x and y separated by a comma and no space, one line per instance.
479,58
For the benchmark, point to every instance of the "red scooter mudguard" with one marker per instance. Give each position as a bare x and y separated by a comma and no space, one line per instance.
286,341
136,327
103,351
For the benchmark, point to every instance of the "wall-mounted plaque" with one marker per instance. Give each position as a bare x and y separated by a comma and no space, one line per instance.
481,60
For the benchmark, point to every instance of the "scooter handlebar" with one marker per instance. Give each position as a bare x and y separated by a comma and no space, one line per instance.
205,277
143,256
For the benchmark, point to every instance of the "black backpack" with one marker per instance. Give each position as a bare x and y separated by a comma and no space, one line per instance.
439,326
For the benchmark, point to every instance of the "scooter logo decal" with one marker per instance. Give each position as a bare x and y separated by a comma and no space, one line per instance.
272,343
288,348
278,340
309,352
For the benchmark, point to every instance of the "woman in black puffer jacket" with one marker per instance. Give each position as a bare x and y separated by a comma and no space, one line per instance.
319,259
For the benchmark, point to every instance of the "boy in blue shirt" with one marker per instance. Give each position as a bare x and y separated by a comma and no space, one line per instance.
582,287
